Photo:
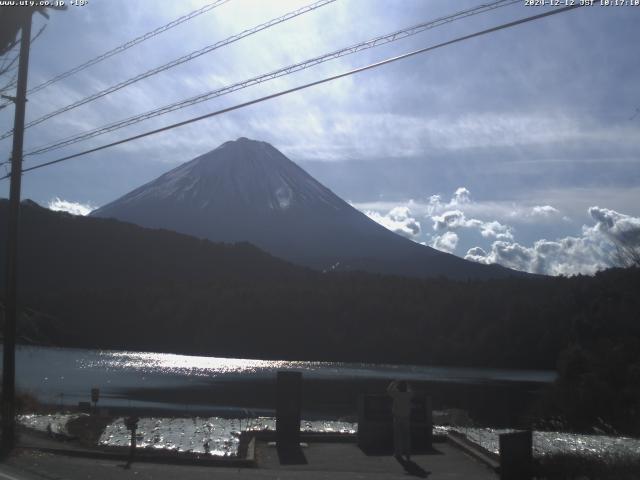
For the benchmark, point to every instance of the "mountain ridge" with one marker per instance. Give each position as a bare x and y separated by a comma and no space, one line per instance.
246,190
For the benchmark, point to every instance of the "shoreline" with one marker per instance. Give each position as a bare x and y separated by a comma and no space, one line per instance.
500,405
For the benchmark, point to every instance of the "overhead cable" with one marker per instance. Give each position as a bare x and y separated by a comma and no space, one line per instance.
374,42
129,44
10,65
176,62
503,26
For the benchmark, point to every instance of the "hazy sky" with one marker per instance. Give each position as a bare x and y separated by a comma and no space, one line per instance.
521,147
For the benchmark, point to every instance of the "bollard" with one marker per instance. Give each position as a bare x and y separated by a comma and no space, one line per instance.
288,406
132,424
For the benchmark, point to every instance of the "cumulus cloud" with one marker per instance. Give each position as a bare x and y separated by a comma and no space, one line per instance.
456,219
476,254
448,217
566,256
495,229
461,196
544,211
449,220
595,249
620,228
398,220
503,211
74,208
447,242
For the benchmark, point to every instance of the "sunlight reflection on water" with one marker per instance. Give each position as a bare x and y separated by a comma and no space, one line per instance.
182,364
58,376
199,366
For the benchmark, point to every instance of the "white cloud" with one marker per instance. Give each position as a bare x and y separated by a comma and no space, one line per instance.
495,229
398,220
461,196
476,254
544,211
75,208
593,250
447,242
513,211
449,220
620,228
456,219
453,214
566,256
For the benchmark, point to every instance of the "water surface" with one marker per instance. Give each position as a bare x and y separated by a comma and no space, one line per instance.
143,379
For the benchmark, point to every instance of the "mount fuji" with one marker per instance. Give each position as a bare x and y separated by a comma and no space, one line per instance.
247,190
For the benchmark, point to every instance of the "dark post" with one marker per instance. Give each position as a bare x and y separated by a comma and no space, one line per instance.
95,396
288,405
132,425
422,426
11,306
516,456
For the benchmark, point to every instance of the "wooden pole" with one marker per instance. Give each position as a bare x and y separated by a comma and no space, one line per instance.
11,303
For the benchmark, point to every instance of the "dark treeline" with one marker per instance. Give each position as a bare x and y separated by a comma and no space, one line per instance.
517,324
106,284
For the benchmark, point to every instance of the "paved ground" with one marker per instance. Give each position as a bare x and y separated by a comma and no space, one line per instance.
446,462
324,461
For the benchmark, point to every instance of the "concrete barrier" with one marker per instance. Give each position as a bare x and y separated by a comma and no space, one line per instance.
288,408
516,458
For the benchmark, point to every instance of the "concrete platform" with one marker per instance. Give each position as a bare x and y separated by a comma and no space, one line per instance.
322,458
445,462
324,461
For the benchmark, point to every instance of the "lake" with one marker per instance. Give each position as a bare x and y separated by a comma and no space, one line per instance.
246,387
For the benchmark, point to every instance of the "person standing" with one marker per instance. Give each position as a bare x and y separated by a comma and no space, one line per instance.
402,395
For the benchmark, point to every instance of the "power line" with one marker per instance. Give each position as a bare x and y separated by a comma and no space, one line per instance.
380,40
176,62
10,65
129,44
11,83
305,86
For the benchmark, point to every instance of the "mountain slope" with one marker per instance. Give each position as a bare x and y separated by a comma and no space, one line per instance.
246,190
62,252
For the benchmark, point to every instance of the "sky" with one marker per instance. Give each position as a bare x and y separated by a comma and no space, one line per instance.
521,147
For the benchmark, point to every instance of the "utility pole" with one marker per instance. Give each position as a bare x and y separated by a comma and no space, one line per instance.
11,303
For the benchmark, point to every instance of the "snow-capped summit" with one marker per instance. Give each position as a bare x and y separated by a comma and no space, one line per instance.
252,174
246,190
